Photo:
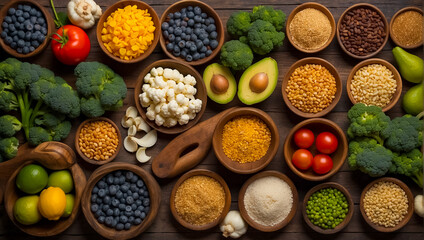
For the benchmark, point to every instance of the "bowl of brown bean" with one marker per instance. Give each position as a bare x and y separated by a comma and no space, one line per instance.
406,27
98,140
365,22
312,87
387,204
374,82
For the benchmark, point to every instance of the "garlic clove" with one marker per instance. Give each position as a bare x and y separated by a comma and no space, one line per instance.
142,125
130,145
131,112
141,155
147,140
126,122
132,131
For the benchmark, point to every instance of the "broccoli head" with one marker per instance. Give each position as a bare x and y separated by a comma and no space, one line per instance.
61,131
9,68
91,107
403,134
8,100
49,120
9,147
63,99
409,164
236,55
9,125
263,37
238,24
269,14
38,135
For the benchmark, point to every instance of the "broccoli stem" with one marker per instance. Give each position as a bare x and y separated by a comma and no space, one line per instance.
420,115
24,113
418,178
379,140
35,112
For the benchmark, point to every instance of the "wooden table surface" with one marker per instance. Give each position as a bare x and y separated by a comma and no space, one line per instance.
165,227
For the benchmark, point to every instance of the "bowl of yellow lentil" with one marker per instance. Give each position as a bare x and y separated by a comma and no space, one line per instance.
312,87
245,140
128,31
98,140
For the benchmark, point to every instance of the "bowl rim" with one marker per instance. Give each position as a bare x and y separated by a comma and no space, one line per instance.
112,8
266,159
200,172
92,161
320,8
319,61
409,196
135,230
405,9
243,210
396,76
219,28
345,221
386,28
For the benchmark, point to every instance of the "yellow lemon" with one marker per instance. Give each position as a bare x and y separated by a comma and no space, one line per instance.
52,203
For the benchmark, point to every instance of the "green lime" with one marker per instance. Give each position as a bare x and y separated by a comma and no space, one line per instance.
70,199
32,179
26,210
62,179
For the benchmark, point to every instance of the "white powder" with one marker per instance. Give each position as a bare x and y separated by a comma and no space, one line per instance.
268,200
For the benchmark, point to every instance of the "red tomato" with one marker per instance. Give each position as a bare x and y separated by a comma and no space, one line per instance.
326,142
302,159
70,45
304,138
322,163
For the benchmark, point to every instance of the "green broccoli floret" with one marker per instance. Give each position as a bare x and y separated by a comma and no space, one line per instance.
9,147
9,125
9,68
236,55
238,24
409,164
38,135
263,37
61,131
49,120
269,14
8,100
403,134
92,107
63,99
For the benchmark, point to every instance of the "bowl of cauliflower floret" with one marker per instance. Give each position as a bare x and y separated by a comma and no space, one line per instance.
170,96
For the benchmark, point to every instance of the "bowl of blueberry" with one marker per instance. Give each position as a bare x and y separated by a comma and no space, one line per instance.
25,28
191,32
121,200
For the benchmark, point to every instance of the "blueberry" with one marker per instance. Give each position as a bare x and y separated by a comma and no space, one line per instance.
131,219
114,223
3,35
202,55
95,188
109,179
183,35
169,46
146,201
193,48
21,19
211,28
165,25
171,37
143,215
127,226
206,41
39,14
178,31
94,207
171,15
199,44
12,27
14,18
211,20
188,58
183,10
116,212
146,210
208,52
121,206
197,19
190,8
101,184
177,15
197,10
124,188
137,213
177,39
135,195
27,44
37,27
204,15
134,207
107,200
137,221
101,219
99,201
193,37
112,190
207,22
130,200
183,15
176,49
16,38
128,213
123,219
33,12
43,30
8,19
25,15
5,24
121,179
18,12
197,25
213,35
21,43
11,11
109,212
140,183
196,56
171,23
93,197
115,202
214,44
141,208
108,221
122,200
119,226
26,8
28,35
181,44
117,173
190,22
128,208
105,207
177,54
190,14
41,20
171,30
102,192
146,193
31,49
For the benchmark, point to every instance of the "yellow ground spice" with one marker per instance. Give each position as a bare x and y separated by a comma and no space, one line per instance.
200,200
408,28
246,139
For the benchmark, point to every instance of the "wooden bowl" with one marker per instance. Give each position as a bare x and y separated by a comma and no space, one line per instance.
316,6
135,230
200,172
211,13
410,206
250,167
419,10
330,68
349,214
49,22
93,161
183,69
243,210
317,125
396,76
122,4
383,18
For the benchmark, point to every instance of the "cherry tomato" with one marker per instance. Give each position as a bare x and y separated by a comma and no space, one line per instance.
322,163
70,45
302,159
304,138
326,142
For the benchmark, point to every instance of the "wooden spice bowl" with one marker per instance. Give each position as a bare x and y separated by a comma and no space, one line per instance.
250,167
243,210
385,63
410,204
330,68
135,230
93,161
383,18
392,35
349,214
184,69
122,4
317,125
211,13
316,6
200,172
49,22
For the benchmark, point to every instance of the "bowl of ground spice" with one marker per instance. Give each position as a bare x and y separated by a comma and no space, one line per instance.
386,204
200,199
310,27
245,140
362,30
268,201
406,28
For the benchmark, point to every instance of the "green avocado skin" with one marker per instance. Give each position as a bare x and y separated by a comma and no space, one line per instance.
413,100
410,66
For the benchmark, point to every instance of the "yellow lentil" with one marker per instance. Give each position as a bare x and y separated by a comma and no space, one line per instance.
246,139
127,33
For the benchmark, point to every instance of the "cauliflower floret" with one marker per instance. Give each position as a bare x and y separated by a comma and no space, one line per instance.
179,88
144,100
189,90
194,106
173,106
191,115
154,72
160,83
159,120
183,119
175,74
147,78
150,114
179,112
170,122
170,94
171,83
158,108
180,99
198,105
168,73
185,108
164,110
160,71
145,87
190,80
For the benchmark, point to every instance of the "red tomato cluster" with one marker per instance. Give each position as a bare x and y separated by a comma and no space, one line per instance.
326,143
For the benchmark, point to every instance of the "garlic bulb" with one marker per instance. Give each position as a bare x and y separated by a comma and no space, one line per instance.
233,225
83,13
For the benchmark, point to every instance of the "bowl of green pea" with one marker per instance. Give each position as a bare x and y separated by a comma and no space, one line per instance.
327,208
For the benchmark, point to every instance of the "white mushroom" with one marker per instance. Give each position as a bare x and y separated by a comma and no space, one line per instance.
141,124
126,122
130,145
131,112
141,155
147,140
132,131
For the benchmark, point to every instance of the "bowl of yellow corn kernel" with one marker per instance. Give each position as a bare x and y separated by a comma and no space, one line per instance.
128,31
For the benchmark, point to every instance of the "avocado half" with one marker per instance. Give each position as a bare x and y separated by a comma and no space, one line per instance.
225,76
266,66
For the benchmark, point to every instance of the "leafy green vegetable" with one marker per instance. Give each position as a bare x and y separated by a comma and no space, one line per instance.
236,55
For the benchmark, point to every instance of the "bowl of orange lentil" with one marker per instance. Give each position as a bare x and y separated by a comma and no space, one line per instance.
128,31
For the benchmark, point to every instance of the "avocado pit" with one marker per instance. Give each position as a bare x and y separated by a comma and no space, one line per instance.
219,84
259,82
